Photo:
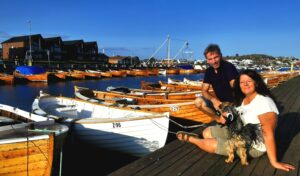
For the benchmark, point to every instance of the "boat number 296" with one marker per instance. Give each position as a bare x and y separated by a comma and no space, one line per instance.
116,125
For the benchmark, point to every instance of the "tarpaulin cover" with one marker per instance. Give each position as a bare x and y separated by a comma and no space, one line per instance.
30,70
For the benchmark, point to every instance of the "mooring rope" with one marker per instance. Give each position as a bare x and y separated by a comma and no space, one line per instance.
187,127
176,123
60,161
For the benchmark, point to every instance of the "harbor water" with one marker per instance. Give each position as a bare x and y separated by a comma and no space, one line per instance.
80,159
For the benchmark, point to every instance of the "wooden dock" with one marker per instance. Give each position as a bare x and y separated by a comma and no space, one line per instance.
178,158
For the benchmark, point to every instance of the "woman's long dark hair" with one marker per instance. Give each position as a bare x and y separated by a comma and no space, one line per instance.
260,86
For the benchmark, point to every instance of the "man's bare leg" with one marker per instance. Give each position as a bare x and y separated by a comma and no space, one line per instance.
200,103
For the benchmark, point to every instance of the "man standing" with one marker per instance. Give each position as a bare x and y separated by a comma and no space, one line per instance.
220,77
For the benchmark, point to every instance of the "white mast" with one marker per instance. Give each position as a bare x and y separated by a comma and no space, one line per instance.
168,48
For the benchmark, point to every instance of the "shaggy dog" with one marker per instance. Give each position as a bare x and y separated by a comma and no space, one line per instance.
241,136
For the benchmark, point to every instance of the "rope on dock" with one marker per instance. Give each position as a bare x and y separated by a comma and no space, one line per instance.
178,124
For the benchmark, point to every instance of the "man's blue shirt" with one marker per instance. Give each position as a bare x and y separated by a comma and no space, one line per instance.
220,80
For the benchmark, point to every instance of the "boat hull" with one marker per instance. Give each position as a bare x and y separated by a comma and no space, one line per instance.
43,77
31,144
137,138
6,79
134,132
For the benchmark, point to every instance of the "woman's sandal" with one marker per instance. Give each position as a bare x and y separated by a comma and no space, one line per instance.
185,136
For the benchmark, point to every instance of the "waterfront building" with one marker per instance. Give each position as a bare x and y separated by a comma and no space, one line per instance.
53,47
73,50
91,50
19,47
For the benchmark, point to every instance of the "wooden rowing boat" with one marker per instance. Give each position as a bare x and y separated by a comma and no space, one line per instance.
185,82
43,77
111,97
106,74
162,72
6,79
192,82
118,73
153,72
27,147
57,75
92,74
170,86
157,94
31,73
140,72
187,71
183,110
77,75
25,154
171,71
135,132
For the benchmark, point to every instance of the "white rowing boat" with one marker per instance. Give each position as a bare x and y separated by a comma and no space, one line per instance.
135,132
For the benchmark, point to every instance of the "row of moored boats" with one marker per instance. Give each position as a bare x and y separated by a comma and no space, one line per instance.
34,73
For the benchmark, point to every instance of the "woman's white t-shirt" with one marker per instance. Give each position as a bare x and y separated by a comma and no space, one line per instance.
259,105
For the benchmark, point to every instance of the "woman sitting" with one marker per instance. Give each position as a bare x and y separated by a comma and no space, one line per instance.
255,100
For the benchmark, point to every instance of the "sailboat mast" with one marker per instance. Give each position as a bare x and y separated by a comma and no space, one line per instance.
168,48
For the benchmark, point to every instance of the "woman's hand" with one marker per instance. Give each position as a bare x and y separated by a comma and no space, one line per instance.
268,123
283,166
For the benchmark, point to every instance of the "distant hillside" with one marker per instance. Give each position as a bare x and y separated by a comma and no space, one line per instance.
251,56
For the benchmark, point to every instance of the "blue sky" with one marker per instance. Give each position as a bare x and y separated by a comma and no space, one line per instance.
138,27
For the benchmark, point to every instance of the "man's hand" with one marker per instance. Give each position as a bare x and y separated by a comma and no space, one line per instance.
216,103
221,120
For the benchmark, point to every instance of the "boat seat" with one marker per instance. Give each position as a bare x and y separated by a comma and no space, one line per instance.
67,108
118,89
127,101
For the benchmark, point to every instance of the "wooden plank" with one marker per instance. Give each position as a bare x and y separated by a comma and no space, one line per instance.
286,97
24,167
22,145
261,165
143,162
168,160
183,164
292,152
290,97
23,152
36,172
233,169
245,170
50,154
283,89
200,167
24,160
